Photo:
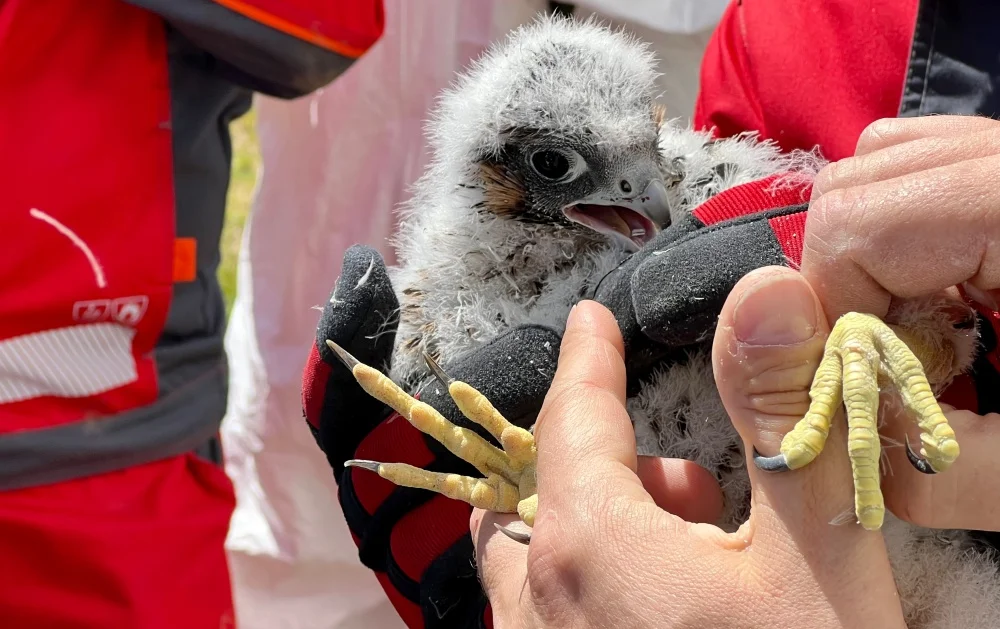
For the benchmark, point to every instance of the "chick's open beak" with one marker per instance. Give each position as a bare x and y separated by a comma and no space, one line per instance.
632,220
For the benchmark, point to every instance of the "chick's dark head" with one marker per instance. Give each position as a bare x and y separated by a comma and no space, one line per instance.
558,125
571,181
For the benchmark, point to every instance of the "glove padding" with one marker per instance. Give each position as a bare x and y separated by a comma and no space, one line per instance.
339,412
678,291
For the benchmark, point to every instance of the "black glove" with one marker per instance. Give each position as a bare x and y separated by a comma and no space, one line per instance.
678,291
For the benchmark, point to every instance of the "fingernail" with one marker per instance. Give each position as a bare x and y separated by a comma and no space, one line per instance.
573,314
778,311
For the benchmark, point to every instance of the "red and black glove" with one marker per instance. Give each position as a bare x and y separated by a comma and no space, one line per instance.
417,542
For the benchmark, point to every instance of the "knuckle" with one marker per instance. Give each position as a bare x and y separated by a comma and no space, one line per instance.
829,209
776,398
825,179
562,399
913,499
909,508
563,557
771,392
581,397
878,134
554,573
834,219
782,390
837,175
563,404
823,213
979,170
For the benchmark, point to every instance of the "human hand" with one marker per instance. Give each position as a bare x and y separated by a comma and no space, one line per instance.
603,553
915,212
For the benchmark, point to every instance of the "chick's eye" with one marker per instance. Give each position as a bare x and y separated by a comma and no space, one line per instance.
552,165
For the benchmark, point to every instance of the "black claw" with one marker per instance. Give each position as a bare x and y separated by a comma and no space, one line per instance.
349,361
371,466
439,373
776,463
922,464
521,538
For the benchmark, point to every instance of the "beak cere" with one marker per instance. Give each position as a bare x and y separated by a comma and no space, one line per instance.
633,221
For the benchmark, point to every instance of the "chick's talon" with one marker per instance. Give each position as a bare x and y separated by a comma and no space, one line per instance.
921,464
861,351
508,485
517,536
776,463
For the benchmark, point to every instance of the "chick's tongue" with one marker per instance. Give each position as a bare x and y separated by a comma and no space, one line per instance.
608,215
633,220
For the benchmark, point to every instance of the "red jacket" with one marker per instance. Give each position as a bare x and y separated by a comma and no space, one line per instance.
808,74
114,166
114,170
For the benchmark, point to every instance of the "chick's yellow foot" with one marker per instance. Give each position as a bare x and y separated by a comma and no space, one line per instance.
508,483
862,353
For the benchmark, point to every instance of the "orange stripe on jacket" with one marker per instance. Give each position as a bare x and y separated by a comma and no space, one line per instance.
270,19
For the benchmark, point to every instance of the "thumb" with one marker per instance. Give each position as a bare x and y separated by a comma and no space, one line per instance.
769,342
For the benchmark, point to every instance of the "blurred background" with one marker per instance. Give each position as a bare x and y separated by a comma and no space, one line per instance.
246,162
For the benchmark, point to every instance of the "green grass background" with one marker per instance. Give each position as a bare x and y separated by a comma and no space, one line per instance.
246,161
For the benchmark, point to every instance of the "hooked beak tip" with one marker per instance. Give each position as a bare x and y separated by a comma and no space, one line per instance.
653,202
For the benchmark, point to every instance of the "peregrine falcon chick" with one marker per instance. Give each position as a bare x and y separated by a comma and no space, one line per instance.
551,163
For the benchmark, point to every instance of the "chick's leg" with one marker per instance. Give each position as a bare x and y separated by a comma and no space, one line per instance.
860,351
508,485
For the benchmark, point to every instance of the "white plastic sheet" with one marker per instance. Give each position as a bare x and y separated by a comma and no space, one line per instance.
335,166
665,16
